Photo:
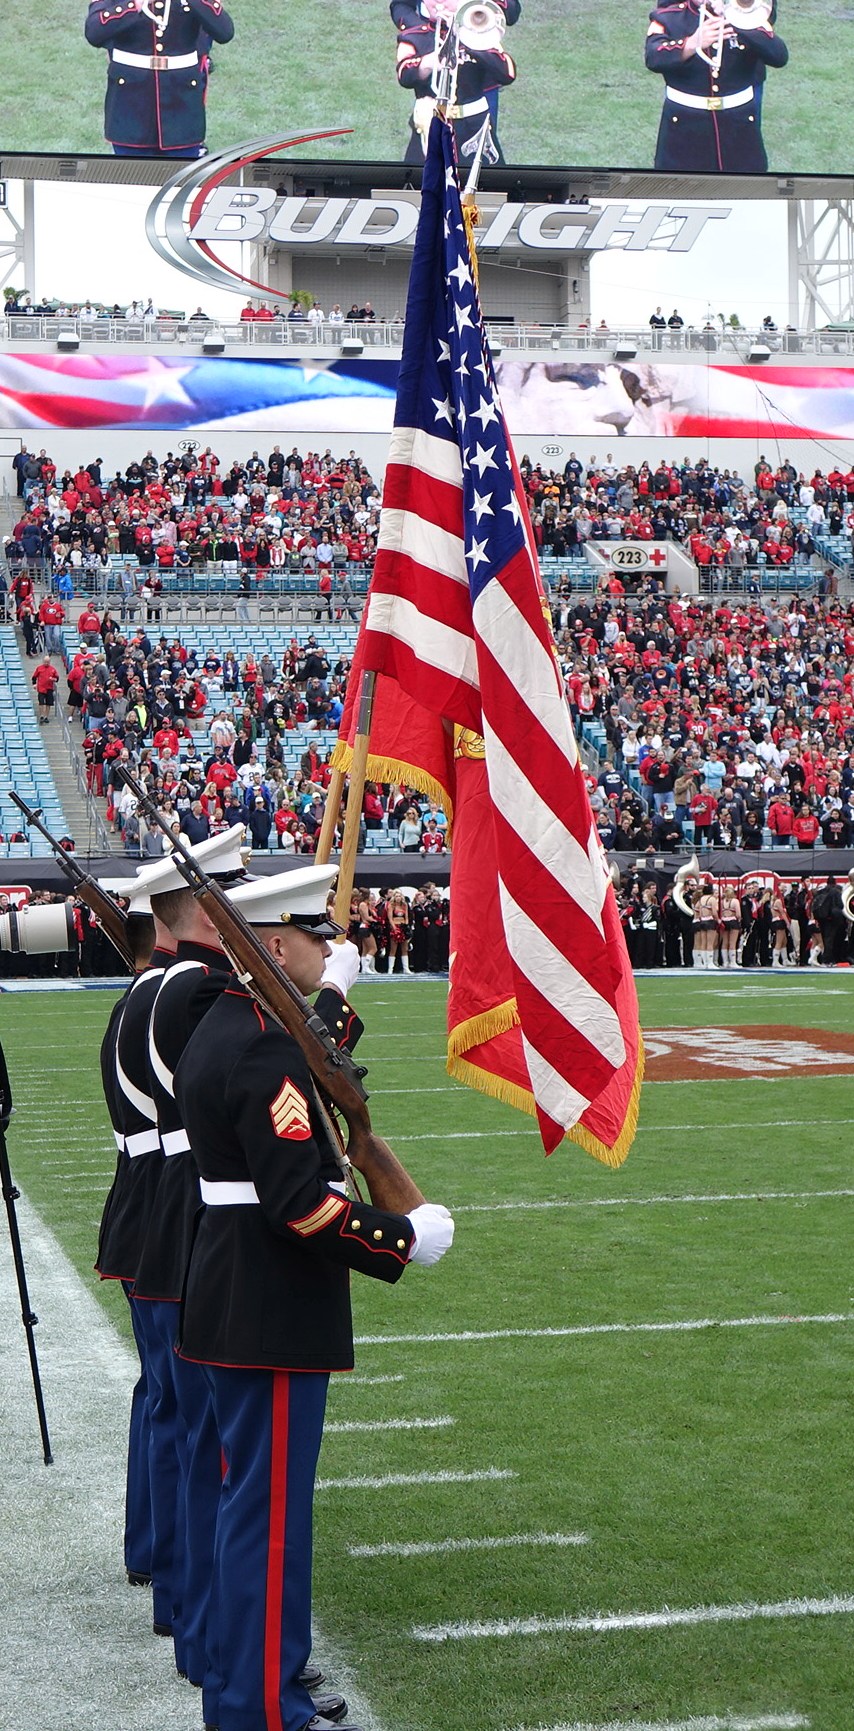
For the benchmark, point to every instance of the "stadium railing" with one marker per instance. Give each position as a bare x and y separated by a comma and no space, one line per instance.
284,333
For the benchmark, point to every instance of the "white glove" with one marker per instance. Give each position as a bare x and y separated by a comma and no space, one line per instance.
434,1233
342,968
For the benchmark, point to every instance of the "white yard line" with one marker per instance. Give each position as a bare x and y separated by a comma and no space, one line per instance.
341,1427
390,1481
647,1201
437,1547
365,1381
525,1134
464,1336
836,1606
707,1722
79,1640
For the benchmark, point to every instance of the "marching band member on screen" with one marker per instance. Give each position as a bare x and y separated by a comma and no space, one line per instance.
158,71
713,57
483,68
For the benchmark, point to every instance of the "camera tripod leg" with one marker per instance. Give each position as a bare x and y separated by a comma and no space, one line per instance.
28,1316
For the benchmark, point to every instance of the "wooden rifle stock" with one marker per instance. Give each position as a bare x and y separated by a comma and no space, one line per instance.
110,917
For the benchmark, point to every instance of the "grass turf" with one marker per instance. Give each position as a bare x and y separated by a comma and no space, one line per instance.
582,96
706,1468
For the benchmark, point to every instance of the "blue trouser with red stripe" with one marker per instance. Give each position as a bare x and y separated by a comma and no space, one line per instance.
270,1425
199,1485
138,1494
158,1322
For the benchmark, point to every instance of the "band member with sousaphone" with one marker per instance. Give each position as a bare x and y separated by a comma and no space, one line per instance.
713,56
685,887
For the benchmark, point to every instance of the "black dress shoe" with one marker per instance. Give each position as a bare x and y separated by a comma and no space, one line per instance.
162,1629
137,1579
312,1677
332,1707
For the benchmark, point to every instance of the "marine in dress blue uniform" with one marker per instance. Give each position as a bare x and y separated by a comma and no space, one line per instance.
112,1262
266,1306
158,71
710,121
187,992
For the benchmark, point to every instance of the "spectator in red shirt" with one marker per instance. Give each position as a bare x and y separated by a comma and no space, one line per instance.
45,679
704,811
89,626
432,841
805,828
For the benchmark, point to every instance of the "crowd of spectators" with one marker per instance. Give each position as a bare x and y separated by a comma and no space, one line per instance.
140,314
731,526
731,922
727,724
209,735
311,514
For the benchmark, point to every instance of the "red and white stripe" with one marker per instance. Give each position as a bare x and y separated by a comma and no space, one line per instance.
493,668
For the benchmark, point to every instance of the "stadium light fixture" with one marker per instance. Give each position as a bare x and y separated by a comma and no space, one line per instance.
67,340
625,352
352,348
213,341
758,352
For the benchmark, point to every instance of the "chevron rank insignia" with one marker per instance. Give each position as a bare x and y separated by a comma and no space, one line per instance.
289,1113
328,1210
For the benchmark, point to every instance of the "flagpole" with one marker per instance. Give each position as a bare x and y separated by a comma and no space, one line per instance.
355,796
330,817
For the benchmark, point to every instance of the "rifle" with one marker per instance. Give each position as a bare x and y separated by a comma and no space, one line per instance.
110,917
334,1070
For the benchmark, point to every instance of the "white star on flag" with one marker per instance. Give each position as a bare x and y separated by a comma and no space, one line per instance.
477,553
482,505
485,412
463,317
444,412
483,459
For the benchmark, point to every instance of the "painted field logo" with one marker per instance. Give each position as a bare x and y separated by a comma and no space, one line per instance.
682,1054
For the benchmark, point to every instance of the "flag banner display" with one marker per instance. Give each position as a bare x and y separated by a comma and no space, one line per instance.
578,396
456,618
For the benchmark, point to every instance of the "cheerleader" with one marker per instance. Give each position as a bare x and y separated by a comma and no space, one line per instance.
397,920
705,928
730,928
780,930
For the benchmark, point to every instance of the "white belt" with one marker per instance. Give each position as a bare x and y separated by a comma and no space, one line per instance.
155,62
142,1142
120,1141
739,99
462,110
174,1142
222,1194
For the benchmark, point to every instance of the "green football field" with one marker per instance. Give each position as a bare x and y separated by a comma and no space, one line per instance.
634,1386
582,96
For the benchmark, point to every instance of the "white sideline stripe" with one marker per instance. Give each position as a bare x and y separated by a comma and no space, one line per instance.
839,1605
648,1129
464,1336
389,1481
365,1381
644,1201
435,1547
439,645
708,1722
357,1424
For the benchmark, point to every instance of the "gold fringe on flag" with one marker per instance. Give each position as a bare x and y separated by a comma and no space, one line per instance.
478,1029
471,218
394,769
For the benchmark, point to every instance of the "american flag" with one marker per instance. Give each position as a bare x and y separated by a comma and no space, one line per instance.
457,616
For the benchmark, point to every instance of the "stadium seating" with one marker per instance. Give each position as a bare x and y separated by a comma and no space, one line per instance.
23,760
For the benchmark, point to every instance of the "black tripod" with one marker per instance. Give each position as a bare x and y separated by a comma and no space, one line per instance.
10,1197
